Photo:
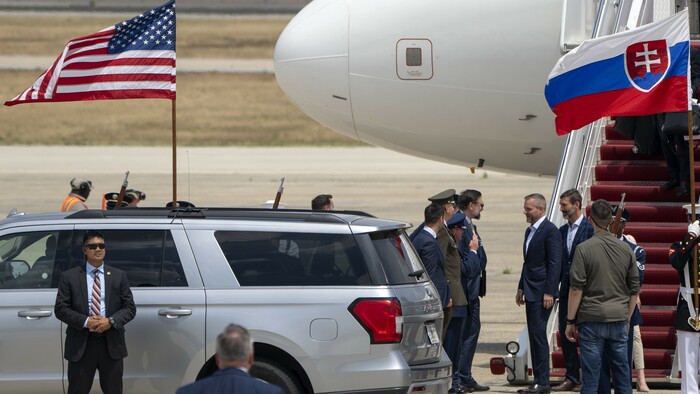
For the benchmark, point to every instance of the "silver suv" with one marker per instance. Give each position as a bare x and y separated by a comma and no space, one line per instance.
336,302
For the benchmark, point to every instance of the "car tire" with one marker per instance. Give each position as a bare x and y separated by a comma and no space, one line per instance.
273,373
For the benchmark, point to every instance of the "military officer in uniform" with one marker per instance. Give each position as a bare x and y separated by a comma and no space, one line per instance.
688,334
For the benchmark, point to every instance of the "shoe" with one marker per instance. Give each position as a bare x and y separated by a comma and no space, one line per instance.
683,190
535,389
642,389
566,385
456,390
472,387
673,183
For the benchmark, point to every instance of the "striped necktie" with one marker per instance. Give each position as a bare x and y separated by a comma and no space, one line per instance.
96,304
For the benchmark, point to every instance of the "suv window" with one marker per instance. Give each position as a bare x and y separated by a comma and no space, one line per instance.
393,251
28,260
148,257
293,259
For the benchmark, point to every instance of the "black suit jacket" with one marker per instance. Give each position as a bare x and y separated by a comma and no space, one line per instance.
584,232
230,380
72,309
542,265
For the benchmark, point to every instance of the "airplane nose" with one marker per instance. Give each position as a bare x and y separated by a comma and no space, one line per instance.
311,64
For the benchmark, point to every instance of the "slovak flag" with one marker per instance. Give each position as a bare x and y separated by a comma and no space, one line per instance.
637,72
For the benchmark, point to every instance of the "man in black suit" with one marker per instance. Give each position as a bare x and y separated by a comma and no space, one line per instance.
474,266
95,302
538,286
234,357
576,230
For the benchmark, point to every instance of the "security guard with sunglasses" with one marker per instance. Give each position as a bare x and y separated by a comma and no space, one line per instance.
95,302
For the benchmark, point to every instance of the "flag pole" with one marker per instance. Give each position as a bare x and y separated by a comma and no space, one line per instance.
174,154
691,159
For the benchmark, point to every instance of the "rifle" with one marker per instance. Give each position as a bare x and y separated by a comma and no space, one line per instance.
615,225
278,197
122,191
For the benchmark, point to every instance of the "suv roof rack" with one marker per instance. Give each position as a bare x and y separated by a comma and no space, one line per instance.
190,212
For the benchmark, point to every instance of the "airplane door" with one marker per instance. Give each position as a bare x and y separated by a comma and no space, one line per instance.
414,59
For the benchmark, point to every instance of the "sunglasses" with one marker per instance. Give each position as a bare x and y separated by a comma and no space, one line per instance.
95,246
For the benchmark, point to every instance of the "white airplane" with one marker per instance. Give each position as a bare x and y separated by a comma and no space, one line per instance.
458,81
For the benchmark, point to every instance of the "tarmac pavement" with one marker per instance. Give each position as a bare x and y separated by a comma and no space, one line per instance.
381,182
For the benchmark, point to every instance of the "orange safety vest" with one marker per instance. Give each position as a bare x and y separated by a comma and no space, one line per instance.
70,201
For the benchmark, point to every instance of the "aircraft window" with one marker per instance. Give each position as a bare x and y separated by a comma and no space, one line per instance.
414,57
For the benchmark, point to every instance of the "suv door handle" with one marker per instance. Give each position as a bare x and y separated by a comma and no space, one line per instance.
174,313
34,314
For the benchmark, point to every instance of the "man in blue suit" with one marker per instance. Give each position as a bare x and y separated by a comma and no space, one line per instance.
474,270
428,249
234,357
576,230
538,286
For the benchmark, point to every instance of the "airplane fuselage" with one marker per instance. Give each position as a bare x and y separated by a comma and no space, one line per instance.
456,81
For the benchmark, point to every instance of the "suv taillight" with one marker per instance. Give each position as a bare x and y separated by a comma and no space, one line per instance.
381,317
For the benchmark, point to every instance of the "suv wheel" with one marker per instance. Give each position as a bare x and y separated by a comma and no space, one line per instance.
277,375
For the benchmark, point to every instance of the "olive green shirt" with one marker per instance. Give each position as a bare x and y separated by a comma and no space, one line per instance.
605,269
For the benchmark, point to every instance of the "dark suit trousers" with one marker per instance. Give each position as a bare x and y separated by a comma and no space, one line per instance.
470,338
81,374
537,317
447,313
568,348
677,161
453,345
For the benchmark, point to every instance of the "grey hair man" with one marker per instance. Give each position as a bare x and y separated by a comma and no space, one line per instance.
234,357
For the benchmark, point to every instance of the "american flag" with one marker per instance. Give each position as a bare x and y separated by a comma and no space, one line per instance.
132,59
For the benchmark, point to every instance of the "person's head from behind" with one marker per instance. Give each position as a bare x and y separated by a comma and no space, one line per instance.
434,214
601,214
81,187
133,197
322,202
234,348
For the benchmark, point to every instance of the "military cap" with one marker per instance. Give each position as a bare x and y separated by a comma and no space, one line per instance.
625,213
457,220
180,204
444,197
111,200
